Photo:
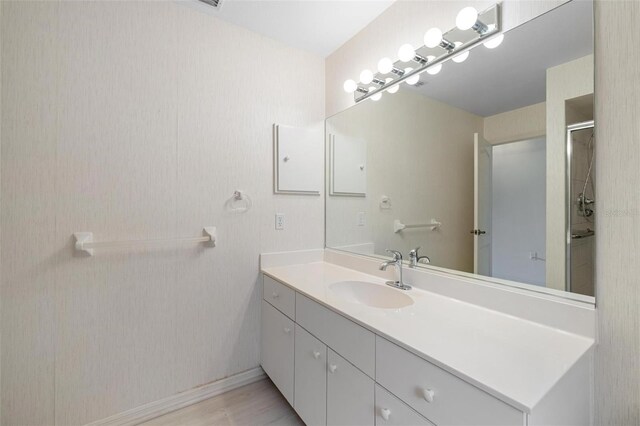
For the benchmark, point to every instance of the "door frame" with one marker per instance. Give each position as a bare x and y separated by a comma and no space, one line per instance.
569,202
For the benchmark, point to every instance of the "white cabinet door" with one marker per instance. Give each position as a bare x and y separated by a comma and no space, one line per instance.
348,166
277,349
350,394
310,395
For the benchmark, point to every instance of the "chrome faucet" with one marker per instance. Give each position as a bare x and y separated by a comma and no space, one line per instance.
397,262
415,258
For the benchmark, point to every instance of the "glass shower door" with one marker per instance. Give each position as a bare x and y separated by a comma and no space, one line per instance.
581,208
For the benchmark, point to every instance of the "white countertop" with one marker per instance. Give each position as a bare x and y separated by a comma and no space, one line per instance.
515,360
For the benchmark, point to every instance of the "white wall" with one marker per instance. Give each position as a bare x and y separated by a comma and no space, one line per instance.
518,211
138,120
516,125
411,147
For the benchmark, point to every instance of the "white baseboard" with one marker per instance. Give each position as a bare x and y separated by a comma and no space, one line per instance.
175,402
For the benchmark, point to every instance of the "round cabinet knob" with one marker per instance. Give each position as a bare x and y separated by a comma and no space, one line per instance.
316,354
333,368
361,166
285,159
287,330
428,395
275,295
385,413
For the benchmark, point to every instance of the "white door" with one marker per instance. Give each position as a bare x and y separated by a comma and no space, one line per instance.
310,390
482,206
350,394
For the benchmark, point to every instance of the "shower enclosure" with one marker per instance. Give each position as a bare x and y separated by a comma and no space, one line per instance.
581,208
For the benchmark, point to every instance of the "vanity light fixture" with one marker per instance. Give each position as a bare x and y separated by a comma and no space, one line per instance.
434,38
366,77
468,19
350,86
413,79
461,57
434,69
406,53
377,96
394,88
385,66
494,42
438,48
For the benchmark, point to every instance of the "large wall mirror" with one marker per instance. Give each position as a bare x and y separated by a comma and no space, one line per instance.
488,166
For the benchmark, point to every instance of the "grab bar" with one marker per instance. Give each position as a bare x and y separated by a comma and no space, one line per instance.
399,226
85,244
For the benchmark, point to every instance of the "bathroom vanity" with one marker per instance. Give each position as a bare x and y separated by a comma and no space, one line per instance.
487,168
344,348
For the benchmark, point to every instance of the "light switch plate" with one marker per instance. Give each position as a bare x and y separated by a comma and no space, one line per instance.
361,218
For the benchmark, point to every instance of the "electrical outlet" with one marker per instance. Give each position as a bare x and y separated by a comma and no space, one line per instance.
279,221
361,219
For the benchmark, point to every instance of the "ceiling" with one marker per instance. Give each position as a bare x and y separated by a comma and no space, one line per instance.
316,26
513,75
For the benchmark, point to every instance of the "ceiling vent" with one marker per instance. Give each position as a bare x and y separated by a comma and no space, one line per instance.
216,4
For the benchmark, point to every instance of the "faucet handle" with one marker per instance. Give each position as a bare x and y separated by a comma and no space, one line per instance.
414,252
396,254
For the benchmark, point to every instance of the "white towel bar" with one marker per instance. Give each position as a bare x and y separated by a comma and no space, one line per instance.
399,226
86,245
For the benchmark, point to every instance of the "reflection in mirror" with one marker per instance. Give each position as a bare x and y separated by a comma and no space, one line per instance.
487,166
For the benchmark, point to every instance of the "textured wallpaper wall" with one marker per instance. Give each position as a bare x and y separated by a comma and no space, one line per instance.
617,99
137,120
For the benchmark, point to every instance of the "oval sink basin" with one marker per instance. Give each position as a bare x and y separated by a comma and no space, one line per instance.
370,294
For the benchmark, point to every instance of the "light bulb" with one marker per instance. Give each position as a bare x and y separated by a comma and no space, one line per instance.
462,56
434,69
413,79
366,77
385,66
406,53
350,86
433,37
394,88
494,42
377,96
466,18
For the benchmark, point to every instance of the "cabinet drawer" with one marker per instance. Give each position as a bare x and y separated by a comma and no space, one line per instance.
350,394
391,411
310,390
436,394
280,296
347,338
277,349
